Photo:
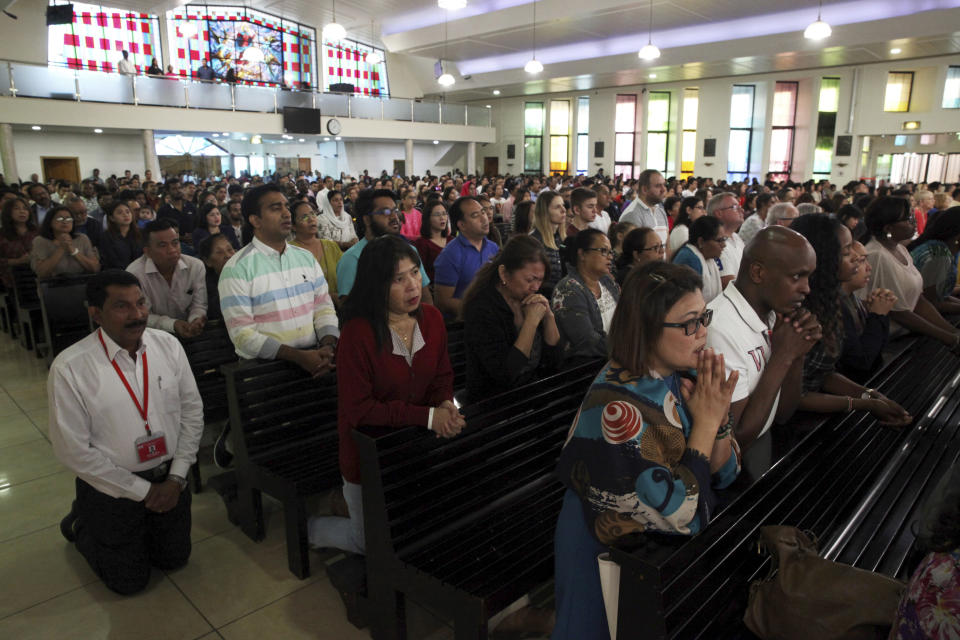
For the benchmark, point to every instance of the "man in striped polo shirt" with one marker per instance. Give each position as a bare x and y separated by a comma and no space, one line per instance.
274,298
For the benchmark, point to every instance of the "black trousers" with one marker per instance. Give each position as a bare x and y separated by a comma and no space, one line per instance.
122,539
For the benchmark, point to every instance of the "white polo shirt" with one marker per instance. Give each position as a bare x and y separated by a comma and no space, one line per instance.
731,256
744,340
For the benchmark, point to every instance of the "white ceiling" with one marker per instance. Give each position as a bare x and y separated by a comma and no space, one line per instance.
593,45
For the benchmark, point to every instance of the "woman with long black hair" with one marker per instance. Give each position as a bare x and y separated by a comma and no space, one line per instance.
825,390
934,255
392,371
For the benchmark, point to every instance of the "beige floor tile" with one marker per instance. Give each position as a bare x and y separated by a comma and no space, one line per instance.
28,381
314,612
44,566
209,516
93,611
229,575
40,419
17,430
27,461
8,407
213,635
30,399
35,505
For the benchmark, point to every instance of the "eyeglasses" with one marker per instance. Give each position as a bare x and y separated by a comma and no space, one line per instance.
735,207
442,214
721,239
656,247
386,212
690,327
699,206
63,219
602,251
306,216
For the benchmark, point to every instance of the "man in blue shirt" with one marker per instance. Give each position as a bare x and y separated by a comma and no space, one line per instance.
459,261
378,211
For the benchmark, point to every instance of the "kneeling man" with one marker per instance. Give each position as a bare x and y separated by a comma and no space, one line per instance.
126,417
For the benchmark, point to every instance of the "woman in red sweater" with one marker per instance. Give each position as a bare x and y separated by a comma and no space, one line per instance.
392,371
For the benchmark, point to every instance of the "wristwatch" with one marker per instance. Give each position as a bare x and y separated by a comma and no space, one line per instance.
868,394
180,481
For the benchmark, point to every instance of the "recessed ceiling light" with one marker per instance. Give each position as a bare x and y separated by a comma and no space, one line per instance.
489,106
225,133
326,139
301,139
338,138
35,127
216,135
436,142
98,130
496,92
652,76
896,50
243,139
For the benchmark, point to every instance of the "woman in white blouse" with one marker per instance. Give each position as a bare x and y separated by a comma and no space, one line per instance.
701,253
889,222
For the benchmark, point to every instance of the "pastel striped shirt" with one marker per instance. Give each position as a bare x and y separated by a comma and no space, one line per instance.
271,299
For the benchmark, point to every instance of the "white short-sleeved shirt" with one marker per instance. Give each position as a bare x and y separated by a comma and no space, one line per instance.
902,278
744,340
731,256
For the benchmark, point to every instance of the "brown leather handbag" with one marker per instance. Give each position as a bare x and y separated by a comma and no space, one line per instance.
810,598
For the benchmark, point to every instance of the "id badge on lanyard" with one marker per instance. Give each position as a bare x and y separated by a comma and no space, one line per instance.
153,445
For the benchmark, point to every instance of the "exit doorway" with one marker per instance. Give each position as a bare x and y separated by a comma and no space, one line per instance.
491,165
61,169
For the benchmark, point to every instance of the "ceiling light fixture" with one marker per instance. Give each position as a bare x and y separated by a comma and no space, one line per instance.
301,139
326,139
489,106
216,135
334,31
98,130
338,138
649,51
35,127
534,66
818,29
451,5
445,79
896,50
436,142
373,57
496,92
225,133
652,76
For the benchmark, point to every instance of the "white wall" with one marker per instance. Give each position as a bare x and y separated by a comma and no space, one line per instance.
25,39
112,154
714,116
378,156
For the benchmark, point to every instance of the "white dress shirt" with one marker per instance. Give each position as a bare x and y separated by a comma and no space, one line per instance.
185,298
601,222
731,256
94,422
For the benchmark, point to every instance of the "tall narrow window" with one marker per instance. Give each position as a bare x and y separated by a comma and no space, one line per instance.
865,156
899,88
533,137
583,129
625,131
784,127
658,130
951,90
827,105
559,135
741,132
688,142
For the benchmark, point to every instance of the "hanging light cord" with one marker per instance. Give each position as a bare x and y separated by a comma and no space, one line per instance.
650,30
534,29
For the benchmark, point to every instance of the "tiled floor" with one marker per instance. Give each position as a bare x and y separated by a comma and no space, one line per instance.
232,588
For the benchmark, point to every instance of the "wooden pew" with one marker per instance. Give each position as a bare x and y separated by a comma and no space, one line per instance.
457,351
29,317
284,427
465,526
63,311
829,477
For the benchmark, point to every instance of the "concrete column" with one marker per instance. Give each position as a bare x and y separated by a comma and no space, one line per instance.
471,158
408,156
7,156
150,160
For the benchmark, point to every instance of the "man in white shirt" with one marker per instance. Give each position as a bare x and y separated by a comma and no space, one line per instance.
126,417
758,220
726,208
175,284
646,210
763,332
125,66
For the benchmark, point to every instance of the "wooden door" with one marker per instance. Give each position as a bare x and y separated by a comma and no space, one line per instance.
400,167
61,169
305,165
491,165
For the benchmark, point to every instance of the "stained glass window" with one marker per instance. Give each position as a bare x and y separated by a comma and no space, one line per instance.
583,130
625,128
533,137
782,132
347,62
741,132
559,135
688,142
97,36
827,106
261,49
899,87
658,130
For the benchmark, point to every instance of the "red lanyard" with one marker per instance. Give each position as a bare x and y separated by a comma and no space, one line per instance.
123,379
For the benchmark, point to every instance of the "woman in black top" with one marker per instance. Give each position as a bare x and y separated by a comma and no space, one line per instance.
121,244
511,334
